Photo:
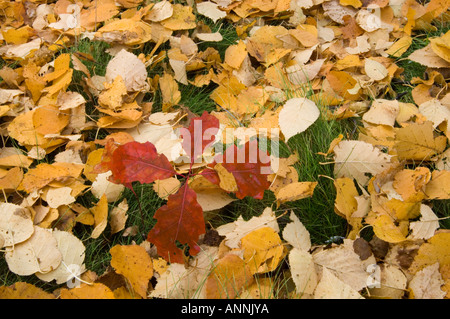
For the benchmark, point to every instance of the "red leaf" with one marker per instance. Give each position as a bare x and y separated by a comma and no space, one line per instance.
136,162
249,166
199,135
181,219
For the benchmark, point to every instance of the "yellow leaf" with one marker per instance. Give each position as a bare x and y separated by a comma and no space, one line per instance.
100,212
441,46
170,93
43,174
181,19
125,31
263,250
135,264
94,158
50,120
18,36
229,276
436,249
85,291
417,142
227,180
439,186
295,191
400,46
354,3
410,184
385,229
23,290
235,54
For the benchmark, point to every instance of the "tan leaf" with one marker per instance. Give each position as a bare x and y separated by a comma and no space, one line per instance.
382,112
39,253
345,264
426,226
426,284
130,68
102,186
166,187
211,10
16,225
331,287
118,217
392,283
355,159
56,197
296,116
72,263
160,11
426,56
296,234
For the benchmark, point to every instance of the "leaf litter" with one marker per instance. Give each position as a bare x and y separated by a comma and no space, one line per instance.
294,62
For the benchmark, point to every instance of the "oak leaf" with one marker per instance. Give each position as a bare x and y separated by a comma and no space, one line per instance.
181,219
139,162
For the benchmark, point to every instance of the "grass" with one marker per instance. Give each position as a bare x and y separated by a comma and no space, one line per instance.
316,213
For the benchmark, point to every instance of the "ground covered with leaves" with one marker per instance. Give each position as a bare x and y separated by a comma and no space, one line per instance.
225,149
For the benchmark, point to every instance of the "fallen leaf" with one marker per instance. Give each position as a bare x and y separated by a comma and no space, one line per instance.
418,142
181,219
263,250
39,253
426,284
331,287
355,159
100,212
296,234
85,291
118,217
426,226
295,191
72,264
296,116
303,271
229,276
24,290
16,225
134,263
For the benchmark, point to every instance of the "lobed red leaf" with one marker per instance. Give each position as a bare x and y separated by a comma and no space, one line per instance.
181,219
